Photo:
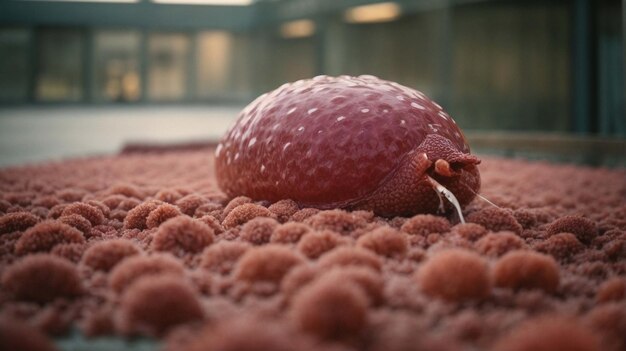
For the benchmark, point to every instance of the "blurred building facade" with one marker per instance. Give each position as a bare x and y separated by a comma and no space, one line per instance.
554,65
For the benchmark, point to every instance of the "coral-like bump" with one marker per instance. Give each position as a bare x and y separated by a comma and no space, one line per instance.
168,195
497,244
213,223
258,231
284,209
267,263
45,235
370,281
93,214
17,221
314,244
243,213
154,305
134,267
455,275
469,231
496,219
181,235
297,278
19,336
42,278
249,333
331,308
613,289
608,321
77,221
561,246
105,255
190,203
584,229
290,232
549,333
304,214
385,241
161,214
235,202
425,224
71,252
339,221
526,270
127,190
350,256
223,256
136,217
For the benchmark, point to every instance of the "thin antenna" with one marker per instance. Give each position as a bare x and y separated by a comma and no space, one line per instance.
448,195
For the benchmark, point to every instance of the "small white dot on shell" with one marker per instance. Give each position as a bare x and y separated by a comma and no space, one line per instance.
286,146
301,129
400,97
252,142
340,118
291,111
312,110
365,110
262,168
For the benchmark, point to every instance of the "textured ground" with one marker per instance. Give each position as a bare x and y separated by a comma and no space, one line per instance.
145,244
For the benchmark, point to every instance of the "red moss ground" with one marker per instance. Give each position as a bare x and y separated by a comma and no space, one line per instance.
146,244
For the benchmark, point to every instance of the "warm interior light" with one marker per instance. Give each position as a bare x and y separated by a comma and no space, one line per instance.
206,2
297,29
381,12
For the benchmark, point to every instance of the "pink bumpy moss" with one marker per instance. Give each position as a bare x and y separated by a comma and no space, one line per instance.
19,336
268,263
258,231
17,221
338,221
93,214
284,209
549,334
455,275
613,289
223,256
331,309
350,256
314,244
425,224
152,306
45,235
561,246
290,233
496,219
243,213
469,231
161,214
385,241
584,229
235,202
526,270
497,244
77,221
248,333
42,278
134,267
136,217
106,254
181,235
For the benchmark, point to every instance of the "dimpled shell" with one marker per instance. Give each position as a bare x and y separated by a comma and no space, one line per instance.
334,141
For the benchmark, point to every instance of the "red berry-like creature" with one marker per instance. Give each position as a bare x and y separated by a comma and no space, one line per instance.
348,142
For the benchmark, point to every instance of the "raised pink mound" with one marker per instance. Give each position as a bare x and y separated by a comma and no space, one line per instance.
153,248
349,142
